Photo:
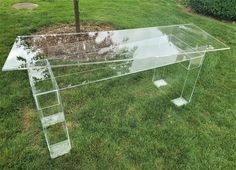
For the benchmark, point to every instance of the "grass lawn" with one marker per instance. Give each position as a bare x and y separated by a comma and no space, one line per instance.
123,123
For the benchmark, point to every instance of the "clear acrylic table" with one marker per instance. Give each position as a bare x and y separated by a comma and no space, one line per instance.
62,61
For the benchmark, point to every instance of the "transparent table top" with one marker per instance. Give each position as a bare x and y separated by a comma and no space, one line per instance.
155,46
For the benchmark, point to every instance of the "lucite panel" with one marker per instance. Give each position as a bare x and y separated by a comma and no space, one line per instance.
111,46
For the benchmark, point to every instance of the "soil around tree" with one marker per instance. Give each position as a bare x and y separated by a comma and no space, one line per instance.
80,47
70,28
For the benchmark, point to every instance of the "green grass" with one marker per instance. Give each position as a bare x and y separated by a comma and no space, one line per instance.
123,123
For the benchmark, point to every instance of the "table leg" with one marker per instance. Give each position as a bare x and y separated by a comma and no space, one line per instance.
159,78
168,77
193,71
49,105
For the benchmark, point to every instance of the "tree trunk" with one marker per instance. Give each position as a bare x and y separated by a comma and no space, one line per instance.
77,17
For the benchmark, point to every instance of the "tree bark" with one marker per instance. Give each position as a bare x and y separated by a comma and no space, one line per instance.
77,15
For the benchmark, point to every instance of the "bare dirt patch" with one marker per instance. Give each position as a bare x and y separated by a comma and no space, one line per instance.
72,124
27,117
70,28
188,10
25,6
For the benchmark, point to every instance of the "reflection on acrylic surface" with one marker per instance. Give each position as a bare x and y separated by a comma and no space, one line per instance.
160,44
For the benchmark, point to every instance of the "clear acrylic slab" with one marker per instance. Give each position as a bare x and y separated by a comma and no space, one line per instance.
60,149
82,58
179,101
131,44
160,83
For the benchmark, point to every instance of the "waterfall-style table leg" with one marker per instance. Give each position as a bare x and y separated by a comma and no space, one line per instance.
193,69
49,105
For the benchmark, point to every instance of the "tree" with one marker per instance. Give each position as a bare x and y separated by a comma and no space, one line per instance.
77,15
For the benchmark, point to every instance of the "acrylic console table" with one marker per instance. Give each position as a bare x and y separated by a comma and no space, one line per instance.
62,61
